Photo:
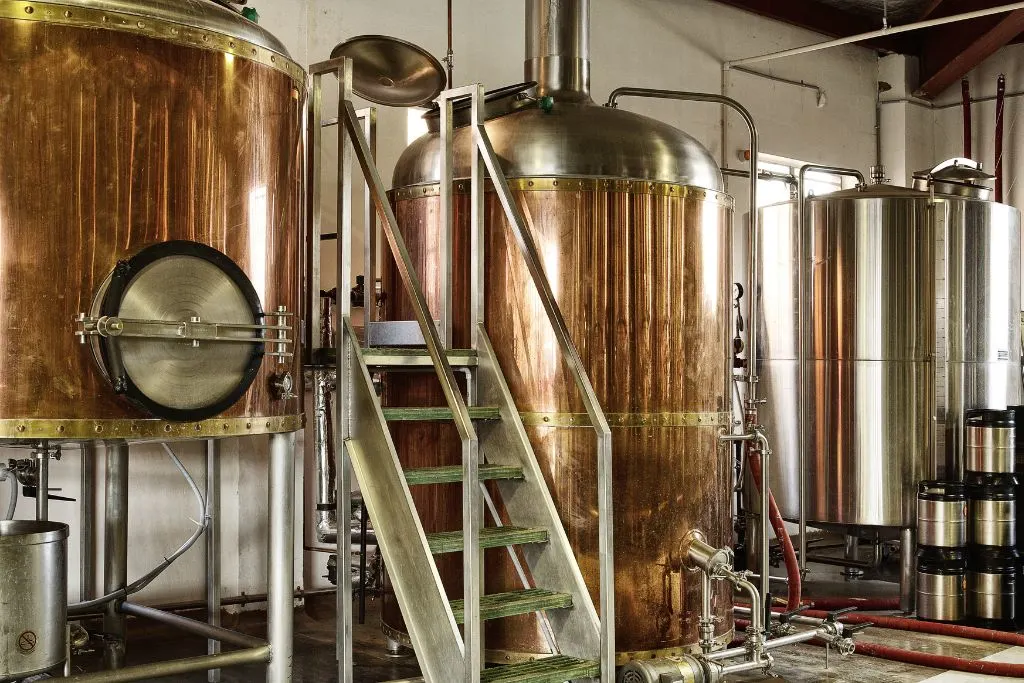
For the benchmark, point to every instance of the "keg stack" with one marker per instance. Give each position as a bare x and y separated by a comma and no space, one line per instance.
942,551
993,564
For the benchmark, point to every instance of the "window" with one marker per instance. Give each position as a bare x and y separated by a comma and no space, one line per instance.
415,124
783,188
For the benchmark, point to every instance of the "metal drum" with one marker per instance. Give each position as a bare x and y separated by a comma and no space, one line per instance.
34,596
992,510
941,584
990,442
993,578
942,514
140,126
634,234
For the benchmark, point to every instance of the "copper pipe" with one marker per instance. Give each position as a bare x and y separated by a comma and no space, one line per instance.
965,88
1000,103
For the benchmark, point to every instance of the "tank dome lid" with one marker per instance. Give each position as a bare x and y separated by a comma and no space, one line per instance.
878,191
958,176
205,15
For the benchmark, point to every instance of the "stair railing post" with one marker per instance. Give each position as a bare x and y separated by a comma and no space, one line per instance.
445,212
368,117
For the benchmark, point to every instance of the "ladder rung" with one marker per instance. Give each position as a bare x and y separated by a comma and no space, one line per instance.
557,669
500,605
453,474
397,357
490,537
438,414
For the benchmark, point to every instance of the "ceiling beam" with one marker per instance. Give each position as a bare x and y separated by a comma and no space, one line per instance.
949,52
824,19
929,9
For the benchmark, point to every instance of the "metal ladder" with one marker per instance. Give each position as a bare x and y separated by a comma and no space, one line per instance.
495,446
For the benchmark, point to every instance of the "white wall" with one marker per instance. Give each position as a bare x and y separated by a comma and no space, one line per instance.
658,43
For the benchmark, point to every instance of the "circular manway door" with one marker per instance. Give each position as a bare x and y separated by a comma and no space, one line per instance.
180,379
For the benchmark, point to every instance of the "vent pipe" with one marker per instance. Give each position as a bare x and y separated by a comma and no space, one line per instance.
558,48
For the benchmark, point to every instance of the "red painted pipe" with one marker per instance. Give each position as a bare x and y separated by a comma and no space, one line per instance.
1000,102
788,553
932,627
974,666
965,89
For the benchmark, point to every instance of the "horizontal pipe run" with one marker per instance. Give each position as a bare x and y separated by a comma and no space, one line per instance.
931,105
880,33
192,626
841,562
243,600
145,672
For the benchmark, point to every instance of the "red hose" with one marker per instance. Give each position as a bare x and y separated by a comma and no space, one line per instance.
935,628
860,603
974,666
788,553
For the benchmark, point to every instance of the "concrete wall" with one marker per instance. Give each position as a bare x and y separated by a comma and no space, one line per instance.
657,43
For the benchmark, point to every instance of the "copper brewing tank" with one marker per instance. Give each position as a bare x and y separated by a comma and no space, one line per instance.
128,125
634,233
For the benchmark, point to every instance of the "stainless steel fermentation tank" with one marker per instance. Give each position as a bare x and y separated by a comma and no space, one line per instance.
634,233
894,312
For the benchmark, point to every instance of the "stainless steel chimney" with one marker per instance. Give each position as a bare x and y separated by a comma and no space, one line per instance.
558,48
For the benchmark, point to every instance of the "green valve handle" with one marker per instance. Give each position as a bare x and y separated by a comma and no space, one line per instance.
546,104
251,14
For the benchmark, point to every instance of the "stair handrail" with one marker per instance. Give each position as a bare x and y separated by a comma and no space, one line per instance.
531,255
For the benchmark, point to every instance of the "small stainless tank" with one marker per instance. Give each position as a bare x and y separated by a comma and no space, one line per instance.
992,510
33,598
989,441
941,584
942,514
992,584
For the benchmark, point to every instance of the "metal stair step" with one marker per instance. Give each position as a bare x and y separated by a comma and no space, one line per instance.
453,474
398,357
438,414
490,537
557,669
498,605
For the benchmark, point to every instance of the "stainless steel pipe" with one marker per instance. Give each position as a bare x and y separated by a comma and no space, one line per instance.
87,520
908,571
42,454
324,382
558,48
221,635
177,667
280,557
115,550
213,587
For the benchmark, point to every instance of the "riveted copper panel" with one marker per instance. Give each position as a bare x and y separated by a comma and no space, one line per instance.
114,141
642,278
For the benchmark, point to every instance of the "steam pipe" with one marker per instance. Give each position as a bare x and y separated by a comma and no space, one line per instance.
881,33
965,93
1000,103
324,382
558,48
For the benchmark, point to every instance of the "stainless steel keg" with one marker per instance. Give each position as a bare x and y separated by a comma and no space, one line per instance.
989,441
942,514
34,598
992,510
992,581
941,584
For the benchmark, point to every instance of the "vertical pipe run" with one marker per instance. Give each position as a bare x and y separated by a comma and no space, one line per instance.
908,574
213,584
280,557
1000,104
558,48
965,90
87,517
115,550
42,454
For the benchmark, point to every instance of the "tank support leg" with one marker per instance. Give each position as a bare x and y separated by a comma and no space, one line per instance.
852,543
908,576
213,549
281,557
115,550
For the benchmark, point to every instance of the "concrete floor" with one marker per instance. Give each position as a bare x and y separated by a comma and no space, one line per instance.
314,646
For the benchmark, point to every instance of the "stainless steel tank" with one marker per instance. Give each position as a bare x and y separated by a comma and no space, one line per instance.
133,126
634,233
891,315
33,594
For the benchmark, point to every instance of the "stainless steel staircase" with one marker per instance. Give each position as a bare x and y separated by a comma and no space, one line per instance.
495,449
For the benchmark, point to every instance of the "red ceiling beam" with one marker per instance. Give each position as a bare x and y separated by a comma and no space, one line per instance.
822,18
949,52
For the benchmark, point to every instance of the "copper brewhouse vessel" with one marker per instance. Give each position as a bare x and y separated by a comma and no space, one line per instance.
125,126
634,232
